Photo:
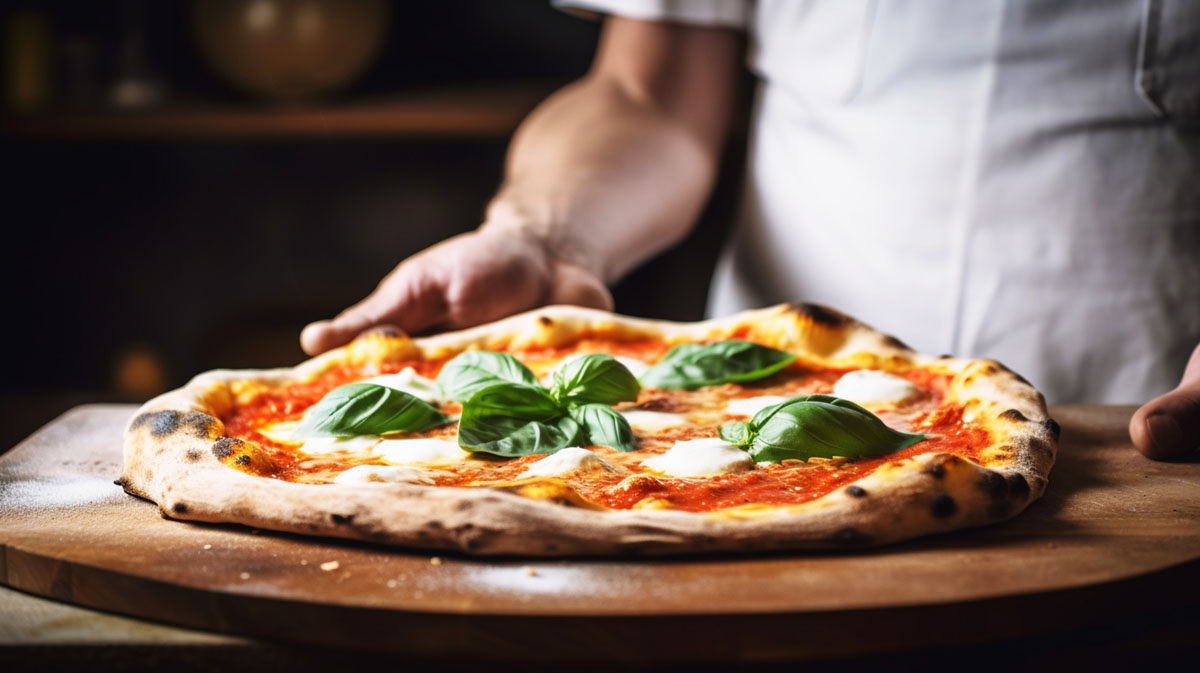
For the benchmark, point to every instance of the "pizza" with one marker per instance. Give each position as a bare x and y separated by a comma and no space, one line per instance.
566,431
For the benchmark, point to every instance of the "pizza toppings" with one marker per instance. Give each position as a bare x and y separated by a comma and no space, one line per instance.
692,366
420,451
407,380
816,426
868,386
472,371
748,406
653,420
572,460
316,446
635,366
368,409
700,458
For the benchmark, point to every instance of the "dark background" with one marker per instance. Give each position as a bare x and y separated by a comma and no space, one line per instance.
136,259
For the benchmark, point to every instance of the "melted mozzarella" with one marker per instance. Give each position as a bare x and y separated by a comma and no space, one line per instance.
319,445
706,457
867,386
281,432
748,406
390,474
568,461
653,420
420,451
407,380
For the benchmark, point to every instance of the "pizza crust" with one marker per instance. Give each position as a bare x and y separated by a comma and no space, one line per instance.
177,456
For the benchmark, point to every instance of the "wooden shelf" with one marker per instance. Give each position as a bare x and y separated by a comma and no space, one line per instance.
485,111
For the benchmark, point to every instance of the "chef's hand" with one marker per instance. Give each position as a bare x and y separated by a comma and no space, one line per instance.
1169,426
467,280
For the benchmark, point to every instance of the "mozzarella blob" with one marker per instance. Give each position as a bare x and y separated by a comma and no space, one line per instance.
706,457
653,420
748,406
407,380
384,474
319,445
867,386
568,461
420,451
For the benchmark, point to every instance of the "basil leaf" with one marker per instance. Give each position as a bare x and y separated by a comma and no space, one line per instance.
822,425
691,366
369,409
509,419
472,371
604,426
737,433
595,378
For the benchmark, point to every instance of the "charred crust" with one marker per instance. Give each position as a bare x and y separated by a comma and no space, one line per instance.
821,315
856,491
224,446
1013,415
160,423
198,423
945,356
992,483
937,470
545,320
1017,486
341,519
243,459
1053,426
193,455
895,343
849,537
179,508
121,482
943,506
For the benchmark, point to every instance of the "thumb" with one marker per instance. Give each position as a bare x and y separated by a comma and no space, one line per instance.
573,285
1169,425
399,302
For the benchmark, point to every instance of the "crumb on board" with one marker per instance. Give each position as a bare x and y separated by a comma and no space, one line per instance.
330,565
435,561
531,571
207,547
245,576
303,561
392,584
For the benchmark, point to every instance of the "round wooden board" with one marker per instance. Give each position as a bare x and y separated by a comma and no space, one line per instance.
1093,544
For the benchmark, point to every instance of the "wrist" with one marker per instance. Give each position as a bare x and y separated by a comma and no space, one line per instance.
552,239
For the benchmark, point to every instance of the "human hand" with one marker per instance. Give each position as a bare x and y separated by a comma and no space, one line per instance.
1169,425
470,279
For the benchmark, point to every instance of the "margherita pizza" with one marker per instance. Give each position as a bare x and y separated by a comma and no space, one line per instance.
573,431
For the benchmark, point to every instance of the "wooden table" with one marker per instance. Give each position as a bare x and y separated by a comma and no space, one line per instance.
1111,549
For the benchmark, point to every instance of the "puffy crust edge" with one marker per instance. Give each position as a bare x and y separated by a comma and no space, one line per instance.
176,455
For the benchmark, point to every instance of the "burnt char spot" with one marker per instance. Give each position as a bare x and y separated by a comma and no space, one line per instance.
160,422
120,482
198,423
1053,426
895,343
992,483
545,321
243,460
849,537
224,446
821,315
341,519
937,470
943,506
1013,415
1017,485
856,491
663,404
945,356
179,508
464,505
193,455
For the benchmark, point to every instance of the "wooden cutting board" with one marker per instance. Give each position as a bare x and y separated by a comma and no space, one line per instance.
1114,532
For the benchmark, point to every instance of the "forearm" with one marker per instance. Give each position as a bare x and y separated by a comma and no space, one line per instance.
606,173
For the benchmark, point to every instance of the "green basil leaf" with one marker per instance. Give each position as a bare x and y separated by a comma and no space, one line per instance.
369,409
510,419
595,378
604,426
737,433
691,366
472,371
824,426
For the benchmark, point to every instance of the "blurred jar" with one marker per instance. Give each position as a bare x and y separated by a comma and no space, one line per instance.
27,61
290,50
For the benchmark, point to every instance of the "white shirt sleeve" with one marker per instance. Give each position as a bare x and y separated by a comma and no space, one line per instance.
725,13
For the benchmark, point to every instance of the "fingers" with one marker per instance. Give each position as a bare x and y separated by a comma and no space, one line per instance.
1169,426
573,285
401,302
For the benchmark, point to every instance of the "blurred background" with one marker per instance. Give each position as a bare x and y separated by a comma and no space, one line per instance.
187,184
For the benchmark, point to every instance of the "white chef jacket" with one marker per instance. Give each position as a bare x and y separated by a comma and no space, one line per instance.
1017,180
